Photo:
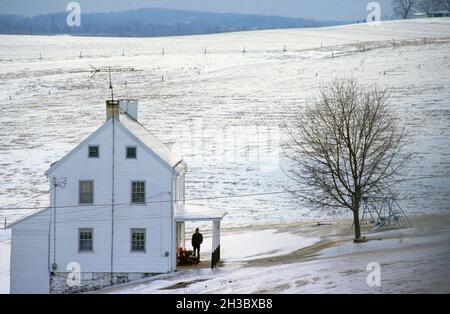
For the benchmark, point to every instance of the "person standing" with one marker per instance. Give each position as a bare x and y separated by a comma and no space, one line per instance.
197,239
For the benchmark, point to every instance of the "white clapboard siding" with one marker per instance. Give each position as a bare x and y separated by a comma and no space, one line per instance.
29,256
155,216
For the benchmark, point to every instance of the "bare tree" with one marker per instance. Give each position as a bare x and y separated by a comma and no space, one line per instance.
403,8
345,145
445,5
428,6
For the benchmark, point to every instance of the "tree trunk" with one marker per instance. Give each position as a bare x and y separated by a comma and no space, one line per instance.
356,200
356,223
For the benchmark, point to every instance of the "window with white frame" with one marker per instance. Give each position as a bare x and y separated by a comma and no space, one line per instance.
138,240
138,192
85,240
86,192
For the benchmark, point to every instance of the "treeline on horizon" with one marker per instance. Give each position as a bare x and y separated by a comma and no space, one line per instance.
149,23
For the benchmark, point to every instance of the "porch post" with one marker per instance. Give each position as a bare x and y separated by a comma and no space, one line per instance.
183,235
180,236
218,240
215,243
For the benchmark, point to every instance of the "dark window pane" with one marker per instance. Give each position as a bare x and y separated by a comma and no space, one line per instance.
85,240
86,192
93,152
138,240
131,152
138,192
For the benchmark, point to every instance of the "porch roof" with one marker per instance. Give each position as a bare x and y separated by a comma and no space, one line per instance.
187,212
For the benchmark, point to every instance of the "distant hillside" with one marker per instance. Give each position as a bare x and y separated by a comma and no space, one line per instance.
149,22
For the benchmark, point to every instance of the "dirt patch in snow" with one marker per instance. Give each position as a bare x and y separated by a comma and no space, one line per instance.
301,255
182,284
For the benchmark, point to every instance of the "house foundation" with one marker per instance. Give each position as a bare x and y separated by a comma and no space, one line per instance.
63,282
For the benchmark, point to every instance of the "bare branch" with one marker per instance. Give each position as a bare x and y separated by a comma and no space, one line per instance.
344,145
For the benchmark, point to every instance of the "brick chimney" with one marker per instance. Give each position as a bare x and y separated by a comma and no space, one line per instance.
112,109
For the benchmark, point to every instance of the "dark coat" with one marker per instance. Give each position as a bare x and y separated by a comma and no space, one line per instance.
197,239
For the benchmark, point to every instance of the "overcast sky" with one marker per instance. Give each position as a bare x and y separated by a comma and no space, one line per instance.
316,9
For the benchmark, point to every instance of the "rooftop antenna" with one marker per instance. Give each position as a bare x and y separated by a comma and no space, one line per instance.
284,48
123,52
93,70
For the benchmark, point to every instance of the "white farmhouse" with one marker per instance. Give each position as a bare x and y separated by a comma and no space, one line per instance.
117,212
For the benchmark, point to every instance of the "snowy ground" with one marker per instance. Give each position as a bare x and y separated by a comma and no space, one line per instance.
411,261
306,258
223,111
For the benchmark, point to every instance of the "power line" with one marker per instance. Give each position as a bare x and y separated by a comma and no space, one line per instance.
121,205
421,178
196,199
107,206
161,201
26,200
76,208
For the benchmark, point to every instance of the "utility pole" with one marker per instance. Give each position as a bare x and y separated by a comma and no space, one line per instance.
55,185
61,184
109,70
112,180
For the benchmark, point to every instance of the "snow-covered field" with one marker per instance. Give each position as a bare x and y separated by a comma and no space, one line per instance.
222,110
219,109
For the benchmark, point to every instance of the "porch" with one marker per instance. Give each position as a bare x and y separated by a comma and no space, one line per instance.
192,214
